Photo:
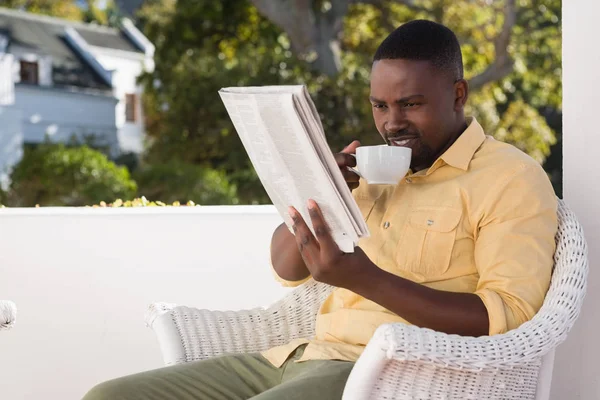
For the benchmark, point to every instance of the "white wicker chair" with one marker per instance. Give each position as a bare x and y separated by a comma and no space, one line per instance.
8,314
401,361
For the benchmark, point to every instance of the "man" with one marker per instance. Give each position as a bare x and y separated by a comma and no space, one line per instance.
462,245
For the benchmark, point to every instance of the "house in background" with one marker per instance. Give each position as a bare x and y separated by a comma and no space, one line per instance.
63,79
129,7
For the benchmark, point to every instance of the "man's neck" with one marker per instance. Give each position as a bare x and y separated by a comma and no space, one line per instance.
462,126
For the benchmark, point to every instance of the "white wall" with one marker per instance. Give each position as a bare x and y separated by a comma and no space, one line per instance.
82,279
577,368
65,113
7,86
25,54
127,67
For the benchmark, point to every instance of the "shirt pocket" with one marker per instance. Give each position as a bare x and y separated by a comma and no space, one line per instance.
425,247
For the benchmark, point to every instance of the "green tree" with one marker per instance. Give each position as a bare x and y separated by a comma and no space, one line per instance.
85,11
67,9
180,182
198,51
511,50
109,15
56,175
93,13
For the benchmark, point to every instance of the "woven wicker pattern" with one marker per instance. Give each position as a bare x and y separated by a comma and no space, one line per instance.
8,314
401,361
205,333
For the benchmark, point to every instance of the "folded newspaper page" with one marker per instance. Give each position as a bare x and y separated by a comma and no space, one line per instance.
281,130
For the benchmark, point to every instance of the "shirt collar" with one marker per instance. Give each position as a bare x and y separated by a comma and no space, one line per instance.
460,154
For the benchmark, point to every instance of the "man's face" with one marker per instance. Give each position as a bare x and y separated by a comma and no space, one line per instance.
416,106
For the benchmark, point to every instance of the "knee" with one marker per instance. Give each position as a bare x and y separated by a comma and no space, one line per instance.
117,389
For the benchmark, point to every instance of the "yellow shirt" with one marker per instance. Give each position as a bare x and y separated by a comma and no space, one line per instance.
481,219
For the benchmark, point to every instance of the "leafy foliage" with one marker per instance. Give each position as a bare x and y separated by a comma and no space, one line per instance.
202,46
67,9
141,202
54,174
109,15
177,182
86,11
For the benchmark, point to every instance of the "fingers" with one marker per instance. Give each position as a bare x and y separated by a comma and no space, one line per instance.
305,240
322,231
349,175
351,148
345,160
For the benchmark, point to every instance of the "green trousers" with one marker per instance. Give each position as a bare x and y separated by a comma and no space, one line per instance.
243,376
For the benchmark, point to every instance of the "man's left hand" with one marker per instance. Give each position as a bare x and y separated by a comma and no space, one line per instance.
322,256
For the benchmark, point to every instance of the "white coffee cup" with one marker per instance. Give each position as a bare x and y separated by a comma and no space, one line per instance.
383,164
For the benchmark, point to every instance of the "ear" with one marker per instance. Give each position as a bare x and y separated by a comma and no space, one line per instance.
461,93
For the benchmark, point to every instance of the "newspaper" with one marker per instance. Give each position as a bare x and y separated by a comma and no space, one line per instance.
281,130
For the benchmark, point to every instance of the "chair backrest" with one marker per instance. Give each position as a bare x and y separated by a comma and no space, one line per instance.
564,299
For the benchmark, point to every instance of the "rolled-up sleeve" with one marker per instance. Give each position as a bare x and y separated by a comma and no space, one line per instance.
287,283
514,247
282,281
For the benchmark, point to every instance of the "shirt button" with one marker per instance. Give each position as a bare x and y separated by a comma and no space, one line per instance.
386,225
408,180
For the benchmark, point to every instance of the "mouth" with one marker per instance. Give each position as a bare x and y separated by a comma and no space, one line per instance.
400,141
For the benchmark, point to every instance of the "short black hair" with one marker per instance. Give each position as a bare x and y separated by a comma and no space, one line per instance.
424,40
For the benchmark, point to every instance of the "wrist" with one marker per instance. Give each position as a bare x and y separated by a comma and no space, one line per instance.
367,279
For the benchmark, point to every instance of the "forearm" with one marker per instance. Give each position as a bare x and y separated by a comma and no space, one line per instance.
455,313
285,257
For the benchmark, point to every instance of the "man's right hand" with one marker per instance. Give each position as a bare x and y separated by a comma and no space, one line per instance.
344,160
285,257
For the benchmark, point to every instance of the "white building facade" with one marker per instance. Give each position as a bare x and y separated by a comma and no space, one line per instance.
62,80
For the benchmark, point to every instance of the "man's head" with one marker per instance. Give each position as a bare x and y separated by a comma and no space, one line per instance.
417,90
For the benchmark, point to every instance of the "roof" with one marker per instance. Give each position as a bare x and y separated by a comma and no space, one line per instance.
129,7
111,39
46,36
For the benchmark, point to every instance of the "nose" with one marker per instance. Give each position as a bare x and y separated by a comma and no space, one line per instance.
396,120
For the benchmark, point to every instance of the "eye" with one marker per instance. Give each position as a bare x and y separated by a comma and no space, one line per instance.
410,105
379,106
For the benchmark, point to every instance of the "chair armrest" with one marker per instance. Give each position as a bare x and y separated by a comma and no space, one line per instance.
187,334
429,360
402,342
8,314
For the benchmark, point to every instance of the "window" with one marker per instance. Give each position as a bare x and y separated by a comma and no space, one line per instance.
130,114
29,72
